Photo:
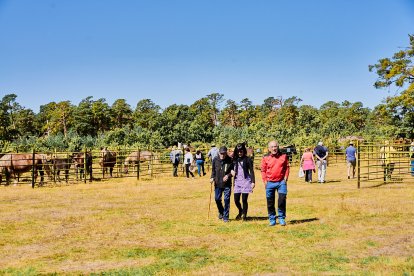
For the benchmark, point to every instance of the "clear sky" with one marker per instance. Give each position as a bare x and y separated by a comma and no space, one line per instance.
178,51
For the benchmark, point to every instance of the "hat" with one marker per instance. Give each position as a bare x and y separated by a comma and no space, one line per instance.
223,149
320,144
213,144
351,143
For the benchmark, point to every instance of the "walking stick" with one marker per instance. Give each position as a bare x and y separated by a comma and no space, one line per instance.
209,202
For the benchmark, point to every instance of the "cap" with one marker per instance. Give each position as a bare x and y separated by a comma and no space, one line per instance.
320,144
223,149
213,144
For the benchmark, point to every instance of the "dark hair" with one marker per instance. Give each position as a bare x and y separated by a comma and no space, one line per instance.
240,146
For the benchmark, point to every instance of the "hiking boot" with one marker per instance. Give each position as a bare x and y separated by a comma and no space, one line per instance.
220,216
239,216
282,222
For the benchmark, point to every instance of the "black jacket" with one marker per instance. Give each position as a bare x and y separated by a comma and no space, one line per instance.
220,168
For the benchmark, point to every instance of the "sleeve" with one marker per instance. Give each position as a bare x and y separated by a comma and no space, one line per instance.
287,168
251,169
263,169
213,169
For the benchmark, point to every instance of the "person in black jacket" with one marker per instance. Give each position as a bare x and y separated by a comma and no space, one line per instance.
221,175
244,180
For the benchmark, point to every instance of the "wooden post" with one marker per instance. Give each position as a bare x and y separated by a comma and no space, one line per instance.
138,162
358,165
33,169
84,165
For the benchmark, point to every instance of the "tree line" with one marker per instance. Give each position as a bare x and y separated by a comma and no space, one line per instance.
94,123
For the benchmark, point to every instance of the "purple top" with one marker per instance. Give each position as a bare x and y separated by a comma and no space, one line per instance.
241,184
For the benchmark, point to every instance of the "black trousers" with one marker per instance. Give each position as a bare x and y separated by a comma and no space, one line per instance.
242,209
187,170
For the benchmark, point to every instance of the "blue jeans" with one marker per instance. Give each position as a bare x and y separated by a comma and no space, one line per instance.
200,166
225,211
271,188
412,167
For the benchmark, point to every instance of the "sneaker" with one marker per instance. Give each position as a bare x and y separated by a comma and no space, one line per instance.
220,216
226,220
282,222
272,223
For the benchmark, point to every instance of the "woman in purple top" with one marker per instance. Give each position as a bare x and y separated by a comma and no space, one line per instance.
243,179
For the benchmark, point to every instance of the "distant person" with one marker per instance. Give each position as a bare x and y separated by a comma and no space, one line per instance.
351,156
275,174
175,160
188,160
412,158
213,152
199,157
221,176
387,155
307,163
321,154
244,180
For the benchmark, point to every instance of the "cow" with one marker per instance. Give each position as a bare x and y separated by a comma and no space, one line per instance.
79,161
14,164
108,160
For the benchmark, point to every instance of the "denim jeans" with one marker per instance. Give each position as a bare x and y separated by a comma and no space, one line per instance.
200,167
225,211
271,188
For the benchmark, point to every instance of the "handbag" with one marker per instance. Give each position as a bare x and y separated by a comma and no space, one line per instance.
301,172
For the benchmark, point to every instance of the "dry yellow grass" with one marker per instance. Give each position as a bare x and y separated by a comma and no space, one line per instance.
160,226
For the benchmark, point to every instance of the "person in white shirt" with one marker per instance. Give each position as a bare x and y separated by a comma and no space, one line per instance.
188,160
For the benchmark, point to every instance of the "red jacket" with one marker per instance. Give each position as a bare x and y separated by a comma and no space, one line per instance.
275,167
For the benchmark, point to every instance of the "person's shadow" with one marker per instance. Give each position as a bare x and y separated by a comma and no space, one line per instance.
295,221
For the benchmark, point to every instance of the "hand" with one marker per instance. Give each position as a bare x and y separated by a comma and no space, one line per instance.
233,173
225,178
253,185
211,180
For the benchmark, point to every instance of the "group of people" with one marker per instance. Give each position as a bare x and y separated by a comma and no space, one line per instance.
320,153
239,171
189,160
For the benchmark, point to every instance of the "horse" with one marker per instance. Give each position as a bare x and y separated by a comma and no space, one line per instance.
14,164
137,156
61,164
108,160
79,160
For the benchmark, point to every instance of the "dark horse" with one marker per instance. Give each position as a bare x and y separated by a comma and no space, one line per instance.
108,160
61,164
13,164
81,163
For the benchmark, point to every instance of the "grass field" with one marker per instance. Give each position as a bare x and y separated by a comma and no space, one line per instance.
160,226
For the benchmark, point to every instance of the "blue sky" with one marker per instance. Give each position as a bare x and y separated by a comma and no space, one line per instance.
177,51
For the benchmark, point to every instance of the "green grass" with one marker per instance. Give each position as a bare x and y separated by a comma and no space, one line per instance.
161,227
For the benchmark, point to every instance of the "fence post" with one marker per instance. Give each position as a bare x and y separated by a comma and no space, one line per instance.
84,165
54,167
103,165
358,165
33,168
138,162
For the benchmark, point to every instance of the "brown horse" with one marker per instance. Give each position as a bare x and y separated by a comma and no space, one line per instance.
137,156
79,160
108,160
61,164
14,164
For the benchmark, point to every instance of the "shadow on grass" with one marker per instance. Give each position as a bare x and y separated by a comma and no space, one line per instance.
299,221
256,218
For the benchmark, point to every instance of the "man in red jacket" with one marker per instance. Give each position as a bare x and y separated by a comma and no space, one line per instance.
275,174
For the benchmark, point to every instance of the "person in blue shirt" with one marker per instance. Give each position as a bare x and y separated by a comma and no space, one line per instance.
351,155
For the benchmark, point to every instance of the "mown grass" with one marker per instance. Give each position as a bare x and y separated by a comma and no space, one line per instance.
161,227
